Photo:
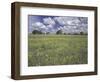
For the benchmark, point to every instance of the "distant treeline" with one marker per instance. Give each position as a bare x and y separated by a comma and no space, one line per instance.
58,32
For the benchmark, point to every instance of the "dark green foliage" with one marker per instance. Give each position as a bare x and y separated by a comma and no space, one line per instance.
59,32
36,32
81,33
76,34
48,33
65,33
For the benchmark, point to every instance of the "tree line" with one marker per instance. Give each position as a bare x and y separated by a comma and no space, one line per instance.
58,32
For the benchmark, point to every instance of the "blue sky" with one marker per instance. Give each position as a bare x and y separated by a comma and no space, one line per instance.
68,24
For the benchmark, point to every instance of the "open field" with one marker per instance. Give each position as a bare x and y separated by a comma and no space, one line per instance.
57,49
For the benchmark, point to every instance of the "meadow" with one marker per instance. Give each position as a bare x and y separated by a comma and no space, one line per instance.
45,50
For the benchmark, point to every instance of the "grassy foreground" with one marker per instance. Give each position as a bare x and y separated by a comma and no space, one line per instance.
57,49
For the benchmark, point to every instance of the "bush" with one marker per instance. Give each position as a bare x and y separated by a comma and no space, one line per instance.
36,32
81,33
59,32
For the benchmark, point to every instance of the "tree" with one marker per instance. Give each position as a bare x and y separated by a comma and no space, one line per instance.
65,33
36,32
81,33
59,32
69,33
48,33
76,34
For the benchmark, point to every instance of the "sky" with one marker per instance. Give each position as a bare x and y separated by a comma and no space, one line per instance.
51,24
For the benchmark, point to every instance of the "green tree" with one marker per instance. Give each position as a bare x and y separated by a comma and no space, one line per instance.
59,32
81,33
36,32
47,32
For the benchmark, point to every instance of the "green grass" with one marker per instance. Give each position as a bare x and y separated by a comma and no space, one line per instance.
57,49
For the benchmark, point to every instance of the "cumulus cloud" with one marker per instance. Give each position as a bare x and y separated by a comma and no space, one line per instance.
48,21
39,26
66,24
72,24
50,26
51,29
60,20
67,20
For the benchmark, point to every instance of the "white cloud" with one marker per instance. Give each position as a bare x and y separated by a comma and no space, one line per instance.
43,27
60,20
66,24
51,29
48,21
49,26
67,20
39,26
72,24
